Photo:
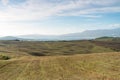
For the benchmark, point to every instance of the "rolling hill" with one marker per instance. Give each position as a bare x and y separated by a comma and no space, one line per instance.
60,60
11,38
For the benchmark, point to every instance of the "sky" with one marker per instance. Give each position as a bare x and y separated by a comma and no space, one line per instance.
56,17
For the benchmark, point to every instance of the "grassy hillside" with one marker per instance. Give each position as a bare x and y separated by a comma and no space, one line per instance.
105,66
115,39
34,48
60,60
108,42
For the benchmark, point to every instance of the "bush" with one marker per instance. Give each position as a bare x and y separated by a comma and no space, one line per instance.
3,57
37,54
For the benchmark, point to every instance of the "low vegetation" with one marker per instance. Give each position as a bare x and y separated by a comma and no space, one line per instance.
60,60
49,48
105,66
115,39
3,57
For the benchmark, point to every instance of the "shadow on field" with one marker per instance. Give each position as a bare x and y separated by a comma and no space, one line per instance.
36,54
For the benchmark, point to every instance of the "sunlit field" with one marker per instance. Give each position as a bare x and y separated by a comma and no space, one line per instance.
59,39
96,66
64,60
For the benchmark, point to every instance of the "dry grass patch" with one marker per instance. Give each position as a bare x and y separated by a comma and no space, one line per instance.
105,66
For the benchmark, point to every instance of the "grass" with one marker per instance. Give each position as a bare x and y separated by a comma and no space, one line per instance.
115,39
60,60
4,57
105,66
37,48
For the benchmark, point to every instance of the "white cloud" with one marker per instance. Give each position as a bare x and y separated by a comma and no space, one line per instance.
114,25
94,11
92,16
40,9
5,2
15,29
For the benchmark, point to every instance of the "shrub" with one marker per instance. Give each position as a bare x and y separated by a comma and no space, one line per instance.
37,54
3,57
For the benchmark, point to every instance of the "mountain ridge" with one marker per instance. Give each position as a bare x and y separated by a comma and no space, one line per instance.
88,34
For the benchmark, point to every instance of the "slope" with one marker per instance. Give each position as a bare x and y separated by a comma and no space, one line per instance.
78,67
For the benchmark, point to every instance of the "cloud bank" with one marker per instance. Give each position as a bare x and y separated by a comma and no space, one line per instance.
13,10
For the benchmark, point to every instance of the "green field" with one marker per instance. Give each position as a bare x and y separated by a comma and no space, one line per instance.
49,48
60,60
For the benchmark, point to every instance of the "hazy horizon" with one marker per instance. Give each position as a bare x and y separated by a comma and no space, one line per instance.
57,17
55,34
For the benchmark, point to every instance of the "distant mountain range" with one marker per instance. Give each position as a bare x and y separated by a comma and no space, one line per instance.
9,38
89,34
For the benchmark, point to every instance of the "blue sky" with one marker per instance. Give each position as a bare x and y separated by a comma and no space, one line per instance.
55,17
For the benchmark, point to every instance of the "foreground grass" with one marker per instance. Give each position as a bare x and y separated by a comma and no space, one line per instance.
100,66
